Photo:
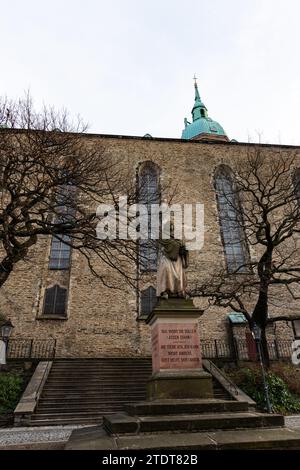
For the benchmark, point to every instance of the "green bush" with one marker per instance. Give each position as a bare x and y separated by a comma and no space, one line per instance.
282,400
290,374
10,391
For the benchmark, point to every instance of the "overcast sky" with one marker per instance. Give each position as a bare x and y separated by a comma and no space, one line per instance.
126,66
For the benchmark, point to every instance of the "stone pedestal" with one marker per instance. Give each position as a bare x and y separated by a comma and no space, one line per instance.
176,354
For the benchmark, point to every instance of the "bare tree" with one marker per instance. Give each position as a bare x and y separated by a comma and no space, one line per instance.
261,210
51,181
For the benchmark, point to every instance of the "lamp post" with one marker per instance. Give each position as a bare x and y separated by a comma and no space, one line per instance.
256,333
6,330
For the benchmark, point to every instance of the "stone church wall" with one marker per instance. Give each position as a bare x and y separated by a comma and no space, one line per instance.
101,321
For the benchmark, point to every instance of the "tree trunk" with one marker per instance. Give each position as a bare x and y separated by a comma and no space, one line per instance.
13,256
260,312
260,317
6,268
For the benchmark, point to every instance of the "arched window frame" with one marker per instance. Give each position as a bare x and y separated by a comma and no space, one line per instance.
65,211
55,301
231,226
148,248
148,301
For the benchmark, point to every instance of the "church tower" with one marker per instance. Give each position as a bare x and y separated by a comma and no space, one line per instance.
202,127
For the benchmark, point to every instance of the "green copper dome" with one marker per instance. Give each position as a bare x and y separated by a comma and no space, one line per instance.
202,124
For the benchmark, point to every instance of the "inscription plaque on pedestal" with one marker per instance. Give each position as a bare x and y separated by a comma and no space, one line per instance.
175,346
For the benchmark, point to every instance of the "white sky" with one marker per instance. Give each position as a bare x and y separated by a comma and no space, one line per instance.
126,66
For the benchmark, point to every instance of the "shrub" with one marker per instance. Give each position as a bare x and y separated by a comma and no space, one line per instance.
10,391
290,374
282,400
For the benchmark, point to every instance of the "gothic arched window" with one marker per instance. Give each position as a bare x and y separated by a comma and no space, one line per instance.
148,300
55,301
149,193
231,226
65,211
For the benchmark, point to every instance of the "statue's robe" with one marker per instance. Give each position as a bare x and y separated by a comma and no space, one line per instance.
172,261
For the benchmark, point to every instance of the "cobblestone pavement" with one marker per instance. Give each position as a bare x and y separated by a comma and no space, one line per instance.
292,421
15,436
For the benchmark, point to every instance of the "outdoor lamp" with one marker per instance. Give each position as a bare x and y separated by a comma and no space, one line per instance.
256,332
6,330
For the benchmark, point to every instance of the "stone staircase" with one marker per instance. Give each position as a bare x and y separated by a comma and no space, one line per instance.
81,391
187,416
111,392
187,424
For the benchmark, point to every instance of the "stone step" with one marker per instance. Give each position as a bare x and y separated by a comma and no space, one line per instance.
91,396
97,375
102,365
221,396
56,370
99,378
172,407
109,408
123,423
102,383
85,407
96,384
87,370
95,389
46,407
220,393
73,399
104,373
69,414
94,438
77,411
106,378
103,358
